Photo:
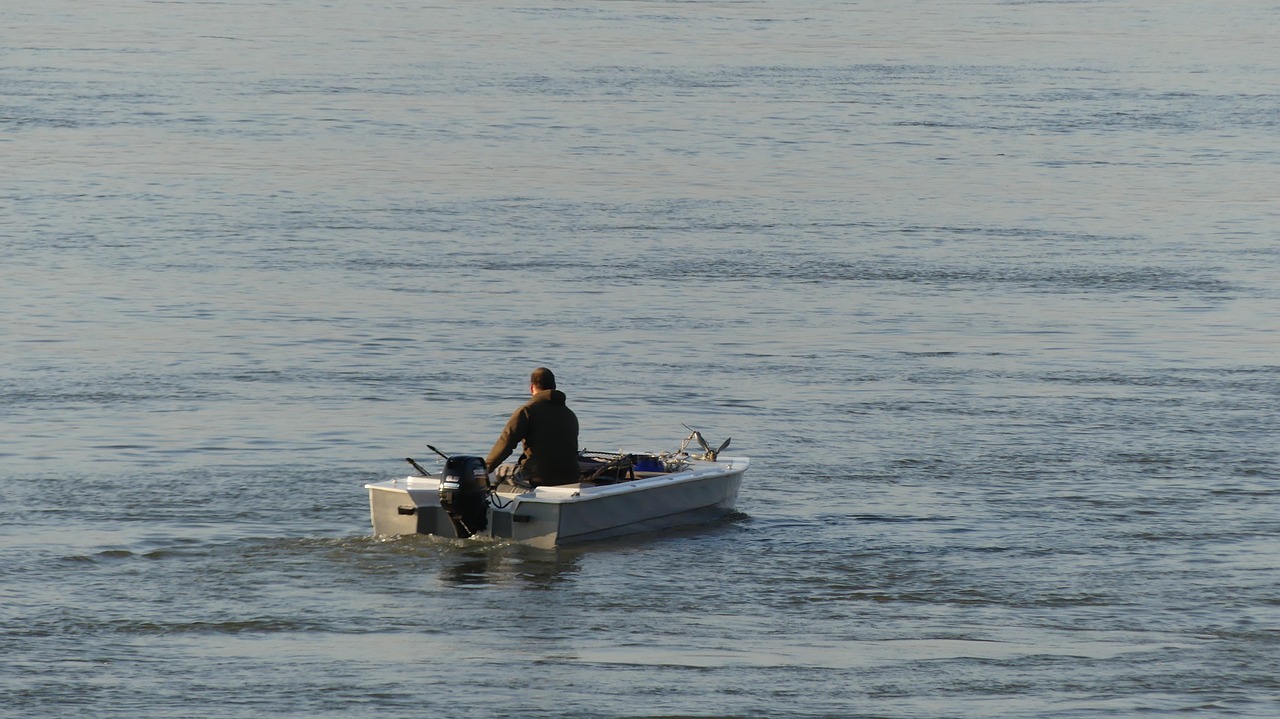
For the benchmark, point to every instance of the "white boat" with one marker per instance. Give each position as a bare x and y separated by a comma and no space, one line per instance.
620,494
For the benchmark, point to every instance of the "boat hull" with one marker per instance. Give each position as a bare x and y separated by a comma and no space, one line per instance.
553,516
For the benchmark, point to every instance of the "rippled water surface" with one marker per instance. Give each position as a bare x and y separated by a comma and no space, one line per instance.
987,290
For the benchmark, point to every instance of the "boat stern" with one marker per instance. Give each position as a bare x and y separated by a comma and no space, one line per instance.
407,506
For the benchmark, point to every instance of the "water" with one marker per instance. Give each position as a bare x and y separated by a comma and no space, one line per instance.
986,289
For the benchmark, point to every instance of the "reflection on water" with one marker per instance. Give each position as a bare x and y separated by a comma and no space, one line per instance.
506,564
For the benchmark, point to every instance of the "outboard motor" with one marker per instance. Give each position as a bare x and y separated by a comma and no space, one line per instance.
464,494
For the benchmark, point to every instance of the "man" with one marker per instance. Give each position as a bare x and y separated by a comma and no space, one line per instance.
549,430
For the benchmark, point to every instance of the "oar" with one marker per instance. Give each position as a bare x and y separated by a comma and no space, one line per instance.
433,449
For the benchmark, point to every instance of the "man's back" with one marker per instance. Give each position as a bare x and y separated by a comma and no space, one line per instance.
549,430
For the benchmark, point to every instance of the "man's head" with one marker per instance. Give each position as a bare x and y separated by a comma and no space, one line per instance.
542,379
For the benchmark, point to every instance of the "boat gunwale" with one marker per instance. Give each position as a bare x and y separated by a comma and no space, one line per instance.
574,493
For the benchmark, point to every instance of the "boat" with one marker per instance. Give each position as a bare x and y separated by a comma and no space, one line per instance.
619,493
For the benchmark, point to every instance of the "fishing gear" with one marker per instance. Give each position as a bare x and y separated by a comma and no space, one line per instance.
418,467
711,454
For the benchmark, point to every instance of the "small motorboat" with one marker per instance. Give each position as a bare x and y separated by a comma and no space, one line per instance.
619,493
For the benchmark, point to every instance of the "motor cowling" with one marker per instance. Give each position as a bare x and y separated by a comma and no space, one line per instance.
464,494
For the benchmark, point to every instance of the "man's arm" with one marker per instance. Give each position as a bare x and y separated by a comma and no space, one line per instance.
507,441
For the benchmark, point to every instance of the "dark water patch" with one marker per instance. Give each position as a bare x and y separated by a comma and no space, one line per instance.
731,267
1251,491
419,381
56,388
895,519
1050,279
240,626
104,556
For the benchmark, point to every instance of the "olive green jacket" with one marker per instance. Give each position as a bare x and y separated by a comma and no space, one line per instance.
549,430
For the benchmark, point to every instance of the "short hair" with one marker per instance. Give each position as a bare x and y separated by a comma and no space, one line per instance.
542,378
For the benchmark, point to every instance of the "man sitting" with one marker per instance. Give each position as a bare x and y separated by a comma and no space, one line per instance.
549,430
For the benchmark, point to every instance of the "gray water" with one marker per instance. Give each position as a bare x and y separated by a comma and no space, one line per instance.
987,290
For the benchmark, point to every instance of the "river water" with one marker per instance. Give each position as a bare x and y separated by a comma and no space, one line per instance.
986,289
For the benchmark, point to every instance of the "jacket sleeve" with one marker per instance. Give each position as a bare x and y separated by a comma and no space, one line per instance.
511,435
